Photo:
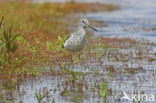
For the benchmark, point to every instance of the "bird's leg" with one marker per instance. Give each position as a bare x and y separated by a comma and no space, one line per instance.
71,58
79,55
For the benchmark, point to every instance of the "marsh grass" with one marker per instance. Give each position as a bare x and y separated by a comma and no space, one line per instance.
32,35
104,90
42,30
7,44
39,97
56,46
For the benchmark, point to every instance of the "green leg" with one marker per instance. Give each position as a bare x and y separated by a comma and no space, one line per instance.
79,55
71,58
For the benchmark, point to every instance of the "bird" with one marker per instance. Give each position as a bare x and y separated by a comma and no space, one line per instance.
76,41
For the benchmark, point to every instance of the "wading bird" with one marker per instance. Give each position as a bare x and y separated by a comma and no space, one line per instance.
76,41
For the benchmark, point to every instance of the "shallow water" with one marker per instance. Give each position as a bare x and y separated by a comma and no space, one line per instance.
136,19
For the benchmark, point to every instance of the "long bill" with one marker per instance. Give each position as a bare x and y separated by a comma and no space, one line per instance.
92,28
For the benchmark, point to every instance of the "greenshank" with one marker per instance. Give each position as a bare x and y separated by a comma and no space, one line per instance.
76,41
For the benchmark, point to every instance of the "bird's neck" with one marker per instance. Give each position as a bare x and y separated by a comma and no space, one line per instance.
81,29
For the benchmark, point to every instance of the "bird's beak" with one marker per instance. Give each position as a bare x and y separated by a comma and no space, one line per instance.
92,28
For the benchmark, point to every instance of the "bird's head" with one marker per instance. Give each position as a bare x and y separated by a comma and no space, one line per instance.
85,23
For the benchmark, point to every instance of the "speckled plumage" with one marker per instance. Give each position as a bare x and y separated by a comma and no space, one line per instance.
77,40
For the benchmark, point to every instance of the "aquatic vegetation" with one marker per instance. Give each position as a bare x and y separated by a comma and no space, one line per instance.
53,101
37,53
57,45
39,97
104,90
41,34
9,40
7,43
41,28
